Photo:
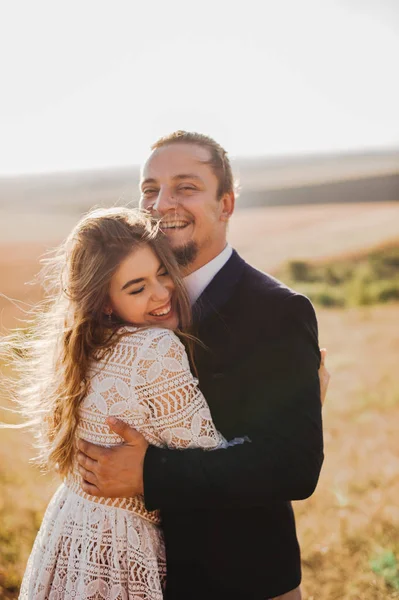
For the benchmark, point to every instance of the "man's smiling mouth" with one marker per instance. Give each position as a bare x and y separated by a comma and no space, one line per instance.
176,224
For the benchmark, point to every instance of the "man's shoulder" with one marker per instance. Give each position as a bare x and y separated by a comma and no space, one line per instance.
246,290
259,290
264,285
238,274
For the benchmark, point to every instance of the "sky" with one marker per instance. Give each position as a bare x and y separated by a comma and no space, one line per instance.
92,83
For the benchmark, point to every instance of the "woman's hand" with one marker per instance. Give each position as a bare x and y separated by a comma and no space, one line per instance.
324,376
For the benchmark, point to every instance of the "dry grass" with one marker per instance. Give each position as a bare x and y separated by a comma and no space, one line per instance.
269,236
353,517
24,496
266,237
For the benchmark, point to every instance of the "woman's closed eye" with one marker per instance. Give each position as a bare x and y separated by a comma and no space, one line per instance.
134,292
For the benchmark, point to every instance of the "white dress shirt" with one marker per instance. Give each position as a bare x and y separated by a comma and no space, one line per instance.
197,281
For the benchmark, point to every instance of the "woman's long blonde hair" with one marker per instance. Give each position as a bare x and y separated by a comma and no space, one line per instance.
52,359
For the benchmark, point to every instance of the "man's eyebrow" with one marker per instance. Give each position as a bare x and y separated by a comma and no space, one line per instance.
149,180
131,282
181,177
187,176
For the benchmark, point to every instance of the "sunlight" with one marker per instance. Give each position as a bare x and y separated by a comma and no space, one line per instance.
87,87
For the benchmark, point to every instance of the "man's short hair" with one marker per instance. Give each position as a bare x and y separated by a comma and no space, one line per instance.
219,161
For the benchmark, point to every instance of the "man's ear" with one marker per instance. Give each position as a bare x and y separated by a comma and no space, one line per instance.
227,203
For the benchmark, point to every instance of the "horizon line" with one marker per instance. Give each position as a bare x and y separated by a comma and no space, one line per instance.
315,154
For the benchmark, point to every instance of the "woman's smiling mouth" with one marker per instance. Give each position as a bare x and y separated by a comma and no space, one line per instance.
163,311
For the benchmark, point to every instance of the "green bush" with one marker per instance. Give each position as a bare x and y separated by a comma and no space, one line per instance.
359,281
387,566
358,289
322,294
327,299
385,291
298,270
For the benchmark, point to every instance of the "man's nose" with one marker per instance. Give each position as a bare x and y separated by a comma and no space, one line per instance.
164,202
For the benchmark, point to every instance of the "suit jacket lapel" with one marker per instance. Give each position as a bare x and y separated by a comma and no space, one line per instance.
220,289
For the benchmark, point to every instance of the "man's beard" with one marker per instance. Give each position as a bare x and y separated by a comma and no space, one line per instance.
185,255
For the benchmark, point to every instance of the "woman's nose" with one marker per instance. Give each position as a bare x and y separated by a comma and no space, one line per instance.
160,292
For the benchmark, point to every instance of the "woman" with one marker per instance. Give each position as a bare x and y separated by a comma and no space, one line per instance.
103,349
106,347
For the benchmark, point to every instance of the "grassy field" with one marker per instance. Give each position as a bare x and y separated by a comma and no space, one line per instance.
353,517
349,529
266,237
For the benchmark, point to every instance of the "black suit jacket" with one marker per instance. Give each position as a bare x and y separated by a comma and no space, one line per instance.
227,518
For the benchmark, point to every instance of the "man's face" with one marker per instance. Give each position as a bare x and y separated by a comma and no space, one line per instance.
180,188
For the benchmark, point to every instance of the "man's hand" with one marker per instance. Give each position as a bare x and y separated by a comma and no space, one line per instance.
324,375
113,472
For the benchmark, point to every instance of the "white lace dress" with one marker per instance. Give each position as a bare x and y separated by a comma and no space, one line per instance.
112,548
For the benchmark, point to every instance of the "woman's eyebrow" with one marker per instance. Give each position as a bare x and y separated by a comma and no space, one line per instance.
139,279
131,282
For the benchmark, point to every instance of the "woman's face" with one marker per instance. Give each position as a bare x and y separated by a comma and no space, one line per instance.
142,292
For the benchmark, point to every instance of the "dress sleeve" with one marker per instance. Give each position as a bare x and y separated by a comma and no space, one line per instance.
176,413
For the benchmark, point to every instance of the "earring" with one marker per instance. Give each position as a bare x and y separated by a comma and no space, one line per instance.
110,317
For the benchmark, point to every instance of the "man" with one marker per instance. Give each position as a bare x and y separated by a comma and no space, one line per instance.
226,514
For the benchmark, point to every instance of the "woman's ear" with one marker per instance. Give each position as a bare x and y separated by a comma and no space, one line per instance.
107,310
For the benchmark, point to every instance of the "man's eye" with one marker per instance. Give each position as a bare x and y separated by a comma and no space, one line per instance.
136,292
190,188
149,192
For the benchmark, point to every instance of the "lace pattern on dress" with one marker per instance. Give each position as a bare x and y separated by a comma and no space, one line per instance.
112,548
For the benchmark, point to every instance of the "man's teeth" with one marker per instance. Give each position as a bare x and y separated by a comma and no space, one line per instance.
173,224
161,313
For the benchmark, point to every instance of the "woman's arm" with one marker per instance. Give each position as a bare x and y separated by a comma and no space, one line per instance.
164,389
160,398
282,418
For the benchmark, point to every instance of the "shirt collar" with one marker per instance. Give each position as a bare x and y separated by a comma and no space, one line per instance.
197,281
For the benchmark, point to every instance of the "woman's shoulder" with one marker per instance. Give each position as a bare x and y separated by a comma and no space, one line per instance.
134,343
148,336
156,350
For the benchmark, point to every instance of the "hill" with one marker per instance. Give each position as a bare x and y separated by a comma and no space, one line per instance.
268,181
